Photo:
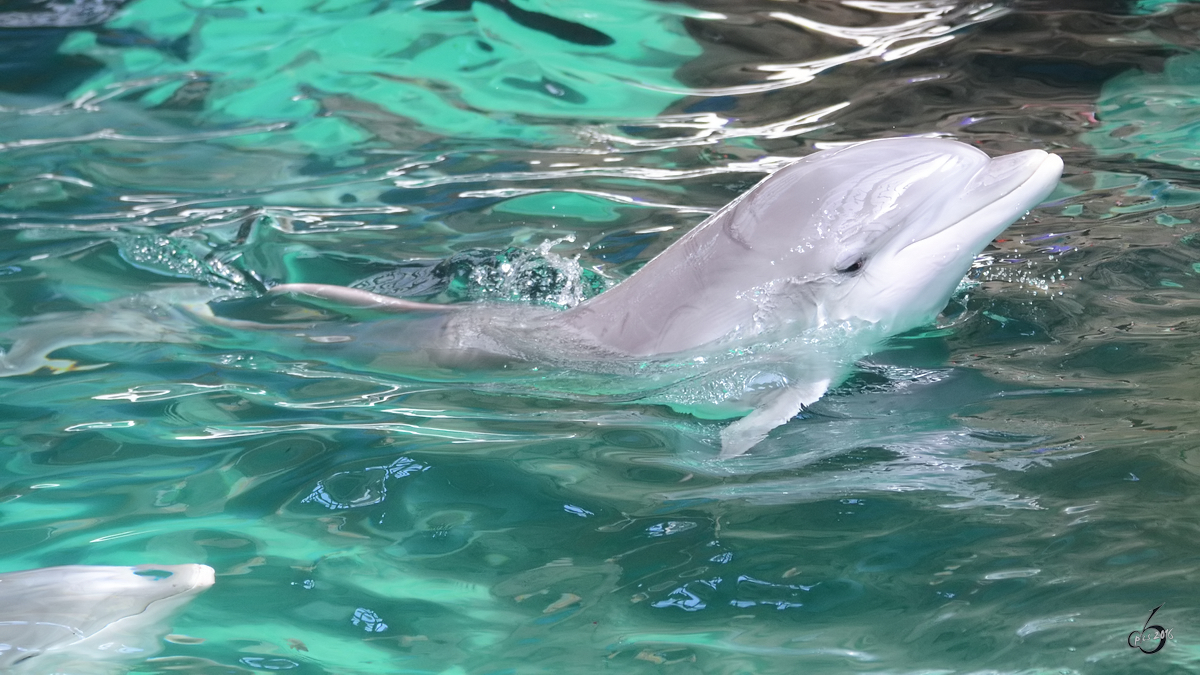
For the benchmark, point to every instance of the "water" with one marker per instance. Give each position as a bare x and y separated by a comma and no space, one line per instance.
1010,491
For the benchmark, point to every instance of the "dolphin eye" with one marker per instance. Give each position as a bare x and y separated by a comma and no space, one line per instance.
853,267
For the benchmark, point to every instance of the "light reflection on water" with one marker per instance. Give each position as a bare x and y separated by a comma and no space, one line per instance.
1009,492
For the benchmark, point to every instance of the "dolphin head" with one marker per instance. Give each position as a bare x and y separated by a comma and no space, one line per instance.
878,233
884,231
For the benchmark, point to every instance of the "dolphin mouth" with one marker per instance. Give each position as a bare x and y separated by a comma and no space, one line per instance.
1021,174
1001,190
1036,174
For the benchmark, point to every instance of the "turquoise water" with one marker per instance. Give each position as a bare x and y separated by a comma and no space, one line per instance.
1010,491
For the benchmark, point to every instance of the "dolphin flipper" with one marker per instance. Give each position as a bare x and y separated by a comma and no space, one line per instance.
780,407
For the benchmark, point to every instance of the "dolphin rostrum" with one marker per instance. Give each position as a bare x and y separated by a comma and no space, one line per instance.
88,615
828,257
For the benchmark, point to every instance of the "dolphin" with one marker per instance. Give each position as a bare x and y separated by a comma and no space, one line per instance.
875,235
88,615
829,257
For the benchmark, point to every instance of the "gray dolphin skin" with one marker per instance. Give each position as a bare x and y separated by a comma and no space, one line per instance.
85,619
875,235
829,257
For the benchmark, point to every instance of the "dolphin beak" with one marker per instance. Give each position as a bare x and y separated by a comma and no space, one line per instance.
184,578
1020,180
1010,172
1001,191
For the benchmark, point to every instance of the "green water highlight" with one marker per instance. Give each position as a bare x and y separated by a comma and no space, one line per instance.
342,73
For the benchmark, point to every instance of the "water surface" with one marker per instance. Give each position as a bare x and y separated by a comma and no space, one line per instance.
1006,492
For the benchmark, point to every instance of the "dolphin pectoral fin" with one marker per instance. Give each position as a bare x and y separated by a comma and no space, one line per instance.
739,437
356,298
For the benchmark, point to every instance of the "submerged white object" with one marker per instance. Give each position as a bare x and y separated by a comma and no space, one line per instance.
87,615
